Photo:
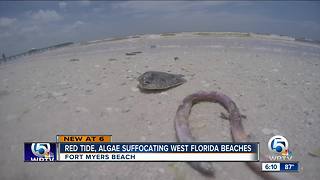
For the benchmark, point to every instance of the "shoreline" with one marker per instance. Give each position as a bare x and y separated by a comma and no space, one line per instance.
171,34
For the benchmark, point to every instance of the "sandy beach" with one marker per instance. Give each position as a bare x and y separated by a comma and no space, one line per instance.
91,88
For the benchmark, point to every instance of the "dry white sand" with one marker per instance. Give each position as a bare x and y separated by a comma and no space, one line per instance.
275,82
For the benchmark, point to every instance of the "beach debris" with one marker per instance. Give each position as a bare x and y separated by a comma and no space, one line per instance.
133,53
315,152
74,59
156,80
112,59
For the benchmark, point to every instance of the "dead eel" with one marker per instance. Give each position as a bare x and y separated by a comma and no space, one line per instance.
184,134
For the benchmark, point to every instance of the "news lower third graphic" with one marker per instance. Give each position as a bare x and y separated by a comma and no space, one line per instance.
101,148
158,152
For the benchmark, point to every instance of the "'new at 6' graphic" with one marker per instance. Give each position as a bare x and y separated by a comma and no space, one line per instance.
40,151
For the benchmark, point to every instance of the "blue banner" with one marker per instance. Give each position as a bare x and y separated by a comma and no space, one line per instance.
289,167
158,147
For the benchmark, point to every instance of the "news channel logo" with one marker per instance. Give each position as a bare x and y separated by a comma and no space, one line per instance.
279,147
40,152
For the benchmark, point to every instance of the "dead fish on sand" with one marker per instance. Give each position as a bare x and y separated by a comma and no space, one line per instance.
183,131
155,80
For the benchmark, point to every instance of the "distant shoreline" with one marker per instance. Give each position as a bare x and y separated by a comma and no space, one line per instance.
167,34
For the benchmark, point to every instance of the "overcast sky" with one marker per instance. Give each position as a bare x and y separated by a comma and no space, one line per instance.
36,24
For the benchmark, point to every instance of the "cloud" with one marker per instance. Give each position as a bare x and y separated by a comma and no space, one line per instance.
85,2
77,24
30,29
165,6
5,35
62,5
167,9
74,27
98,9
6,22
46,16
